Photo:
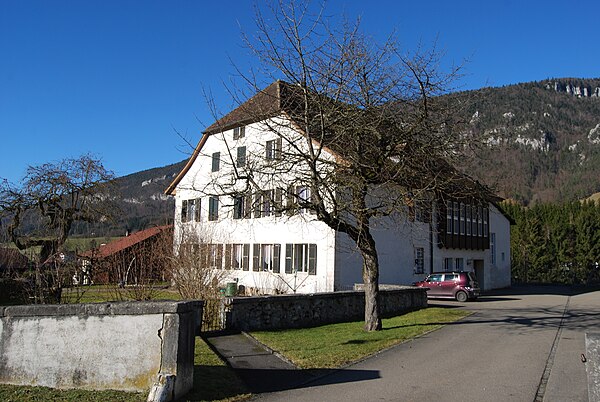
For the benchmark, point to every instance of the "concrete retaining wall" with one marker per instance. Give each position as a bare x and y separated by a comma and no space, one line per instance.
592,352
308,310
122,346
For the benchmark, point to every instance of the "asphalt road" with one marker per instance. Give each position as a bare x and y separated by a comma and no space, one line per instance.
525,345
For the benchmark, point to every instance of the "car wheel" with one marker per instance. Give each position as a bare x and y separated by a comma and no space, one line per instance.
461,296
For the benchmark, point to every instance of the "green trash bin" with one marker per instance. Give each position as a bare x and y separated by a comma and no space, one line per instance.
231,289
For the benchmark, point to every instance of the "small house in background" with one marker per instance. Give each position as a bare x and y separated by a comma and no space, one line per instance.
12,262
136,258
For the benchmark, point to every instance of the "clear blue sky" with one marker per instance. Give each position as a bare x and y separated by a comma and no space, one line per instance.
116,78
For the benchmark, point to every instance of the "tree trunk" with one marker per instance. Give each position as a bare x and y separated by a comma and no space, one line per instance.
371,283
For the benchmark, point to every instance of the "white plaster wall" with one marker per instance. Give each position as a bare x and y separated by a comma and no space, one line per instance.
200,182
97,352
348,263
501,271
396,240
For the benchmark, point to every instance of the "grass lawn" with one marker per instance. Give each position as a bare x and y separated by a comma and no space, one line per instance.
105,293
213,381
335,345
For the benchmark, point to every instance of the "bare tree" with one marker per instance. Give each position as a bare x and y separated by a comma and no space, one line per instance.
39,212
375,138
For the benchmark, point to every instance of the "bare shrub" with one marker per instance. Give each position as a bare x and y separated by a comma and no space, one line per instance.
190,268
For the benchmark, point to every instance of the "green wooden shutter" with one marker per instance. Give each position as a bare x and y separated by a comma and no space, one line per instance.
312,259
248,205
288,258
276,255
256,258
277,153
277,202
228,253
246,258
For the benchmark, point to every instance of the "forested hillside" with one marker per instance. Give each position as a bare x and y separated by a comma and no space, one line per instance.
140,203
542,138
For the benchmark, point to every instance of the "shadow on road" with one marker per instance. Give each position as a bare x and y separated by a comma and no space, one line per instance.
531,289
265,380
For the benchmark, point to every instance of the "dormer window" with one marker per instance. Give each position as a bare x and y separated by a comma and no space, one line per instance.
239,132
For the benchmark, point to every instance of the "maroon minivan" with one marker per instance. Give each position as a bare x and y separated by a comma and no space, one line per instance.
461,286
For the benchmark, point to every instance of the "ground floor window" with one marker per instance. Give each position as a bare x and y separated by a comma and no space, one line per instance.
301,258
237,256
459,264
215,256
448,264
265,257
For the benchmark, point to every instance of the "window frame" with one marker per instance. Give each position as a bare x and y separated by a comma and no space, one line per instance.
238,256
419,260
238,206
239,132
301,258
266,257
493,248
455,217
215,162
273,149
449,218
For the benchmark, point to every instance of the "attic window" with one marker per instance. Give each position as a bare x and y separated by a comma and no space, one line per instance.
239,132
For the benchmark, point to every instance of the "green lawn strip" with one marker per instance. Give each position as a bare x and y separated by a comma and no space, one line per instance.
213,381
10,393
106,293
336,345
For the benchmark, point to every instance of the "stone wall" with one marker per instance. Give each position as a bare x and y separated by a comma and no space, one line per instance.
308,310
122,346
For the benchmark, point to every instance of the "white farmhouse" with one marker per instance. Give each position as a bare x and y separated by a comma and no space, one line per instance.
266,241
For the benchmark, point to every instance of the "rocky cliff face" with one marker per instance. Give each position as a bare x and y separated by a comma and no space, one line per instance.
574,87
542,138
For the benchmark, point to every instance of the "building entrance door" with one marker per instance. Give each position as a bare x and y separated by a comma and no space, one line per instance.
480,273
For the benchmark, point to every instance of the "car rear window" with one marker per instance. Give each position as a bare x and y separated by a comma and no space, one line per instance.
451,277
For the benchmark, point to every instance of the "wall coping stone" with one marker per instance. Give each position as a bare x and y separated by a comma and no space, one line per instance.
106,308
323,295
